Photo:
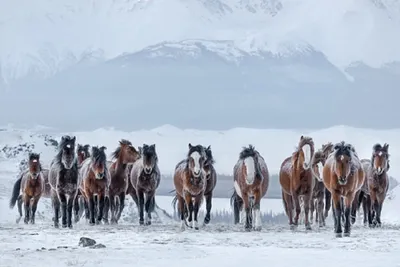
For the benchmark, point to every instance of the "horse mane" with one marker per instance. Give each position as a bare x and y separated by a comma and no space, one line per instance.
150,149
246,152
197,148
117,151
98,155
327,148
318,156
84,148
343,148
209,155
36,156
65,140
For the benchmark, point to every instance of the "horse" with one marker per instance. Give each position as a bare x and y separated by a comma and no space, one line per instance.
94,178
296,179
63,179
145,178
79,205
317,198
376,185
190,184
251,182
124,154
211,180
343,176
28,189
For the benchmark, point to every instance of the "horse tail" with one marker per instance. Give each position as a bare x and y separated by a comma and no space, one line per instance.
15,192
174,201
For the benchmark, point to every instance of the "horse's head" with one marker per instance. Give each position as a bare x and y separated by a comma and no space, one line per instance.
208,162
327,149
126,152
196,157
67,150
249,155
150,158
34,165
304,153
343,154
99,161
83,153
318,162
380,158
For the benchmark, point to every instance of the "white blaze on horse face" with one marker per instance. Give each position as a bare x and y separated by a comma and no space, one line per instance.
380,153
342,157
196,159
320,170
35,160
307,156
250,170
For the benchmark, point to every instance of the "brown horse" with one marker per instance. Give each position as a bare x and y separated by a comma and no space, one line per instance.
125,154
343,176
374,190
251,182
296,180
145,178
28,189
82,153
93,180
190,184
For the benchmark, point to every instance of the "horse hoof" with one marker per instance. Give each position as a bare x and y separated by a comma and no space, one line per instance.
148,223
346,234
18,220
92,223
64,225
141,222
56,225
257,228
338,234
292,226
98,222
308,227
70,226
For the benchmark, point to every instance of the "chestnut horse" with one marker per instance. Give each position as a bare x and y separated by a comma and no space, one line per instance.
63,179
251,182
145,178
373,193
296,180
190,184
94,178
343,176
28,189
125,154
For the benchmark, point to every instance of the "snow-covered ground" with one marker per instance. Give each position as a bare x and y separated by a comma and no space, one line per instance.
219,244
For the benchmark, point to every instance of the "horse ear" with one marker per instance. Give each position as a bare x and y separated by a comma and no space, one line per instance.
386,147
140,149
209,147
302,137
190,146
153,146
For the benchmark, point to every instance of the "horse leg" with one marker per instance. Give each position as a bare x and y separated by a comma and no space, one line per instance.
354,206
140,194
208,198
196,207
181,210
257,212
288,205
337,208
349,201
76,208
101,208
189,205
106,209
296,202
70,205
320,210
27,201
86,204
246,207
19,209
148,203
56,206
368,205
112,208
121,205
34,208
378,211
91,209
374,205
312,209
63,200
237,203
328,202
307,199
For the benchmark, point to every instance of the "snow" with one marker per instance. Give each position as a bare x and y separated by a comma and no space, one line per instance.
345,31
220,244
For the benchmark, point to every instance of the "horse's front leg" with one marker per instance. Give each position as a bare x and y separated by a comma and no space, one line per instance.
91,209
27,201
307,199
378,208
296,203
56,206
140,194
368,205
101,207
208,198
320,211
337,207
70,205
113,207
121,205
149,200
256,211
189,206
246,207
106,209
348,205
181,210
196,207
76,207
354,206
312,209
374,207
34,208
63,200
328,202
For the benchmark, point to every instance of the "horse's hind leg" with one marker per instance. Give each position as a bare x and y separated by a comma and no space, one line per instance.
307,201
34,208
288,205
208,198
312,209
27,201
121,205
19,209
328,202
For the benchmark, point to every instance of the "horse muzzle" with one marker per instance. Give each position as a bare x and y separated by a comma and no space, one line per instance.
100,175
34,175
196,174
379,170
148,170
342,180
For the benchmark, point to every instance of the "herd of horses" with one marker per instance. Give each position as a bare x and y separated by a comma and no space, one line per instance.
82,180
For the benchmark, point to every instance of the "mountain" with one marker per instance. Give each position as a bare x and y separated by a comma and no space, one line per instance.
157,61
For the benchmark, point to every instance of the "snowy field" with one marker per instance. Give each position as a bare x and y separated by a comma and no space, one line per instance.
218,244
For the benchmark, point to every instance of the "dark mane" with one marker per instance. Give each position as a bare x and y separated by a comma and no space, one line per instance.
209,155
84,148
249,151
197,148
343,149
65,140
33,156
319,156
327,148
98,155
150,150
117,151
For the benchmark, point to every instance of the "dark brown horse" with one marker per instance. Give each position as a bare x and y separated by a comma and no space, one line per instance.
28,189
63,179
297,181
145,178
343,176
79,204
125,154
94,179
190,184
83,153
251,182
374,190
